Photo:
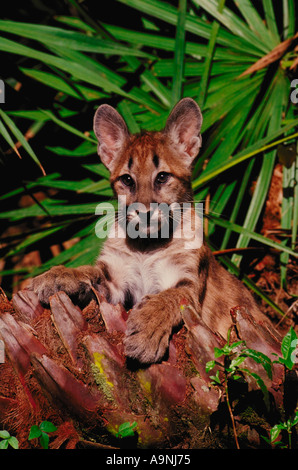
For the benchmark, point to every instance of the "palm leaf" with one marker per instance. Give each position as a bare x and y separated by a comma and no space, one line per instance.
18,134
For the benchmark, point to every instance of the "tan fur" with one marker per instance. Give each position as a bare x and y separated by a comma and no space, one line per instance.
154,276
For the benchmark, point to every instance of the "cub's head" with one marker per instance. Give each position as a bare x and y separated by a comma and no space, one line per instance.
151,167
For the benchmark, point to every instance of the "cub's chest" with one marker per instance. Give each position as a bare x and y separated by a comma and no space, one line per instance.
136,274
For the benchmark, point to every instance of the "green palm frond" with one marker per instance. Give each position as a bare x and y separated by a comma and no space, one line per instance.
199,48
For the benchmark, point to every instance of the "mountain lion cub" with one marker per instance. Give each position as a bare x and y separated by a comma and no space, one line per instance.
153,275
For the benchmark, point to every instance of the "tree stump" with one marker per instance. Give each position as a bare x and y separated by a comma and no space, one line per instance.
67,366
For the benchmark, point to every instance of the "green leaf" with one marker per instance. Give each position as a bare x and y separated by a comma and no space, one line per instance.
255,149
33,115
54,208
47,426
262,386
218,352
68,127
216,378
64,86
233,22
33,239
254,236
13,442
4,434
259,358
35,432
7,137
210,365
157,41
68,39
288,346
277,97
266,439
84,149
200,27
209,58
227,349
18,134
236,362
236,377
98,169
295,419
238,202
287,217
88,243
236,344
86,70
44,440
271,20
157,88
255,22
288,18
4,444
275,431
179,53
75,23
124,108
126,429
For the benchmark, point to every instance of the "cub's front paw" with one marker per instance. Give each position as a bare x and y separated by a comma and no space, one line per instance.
149,327
75,282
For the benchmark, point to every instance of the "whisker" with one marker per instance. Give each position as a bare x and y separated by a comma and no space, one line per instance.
120,215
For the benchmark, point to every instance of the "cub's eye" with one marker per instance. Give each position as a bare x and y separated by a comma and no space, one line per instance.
127,180
162,177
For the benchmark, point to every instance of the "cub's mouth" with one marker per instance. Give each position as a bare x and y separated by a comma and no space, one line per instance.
153,223
161,222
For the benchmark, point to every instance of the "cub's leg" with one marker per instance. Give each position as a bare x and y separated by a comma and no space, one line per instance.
150,323
77,283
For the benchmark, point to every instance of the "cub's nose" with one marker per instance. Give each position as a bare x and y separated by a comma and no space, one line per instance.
145,216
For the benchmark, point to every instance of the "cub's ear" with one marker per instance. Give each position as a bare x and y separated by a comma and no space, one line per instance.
111,132
183,127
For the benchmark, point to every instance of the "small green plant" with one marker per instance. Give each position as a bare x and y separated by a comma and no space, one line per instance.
126,429
289,347
234,356
41,432
8,440
231,369
278,428
289,350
